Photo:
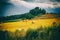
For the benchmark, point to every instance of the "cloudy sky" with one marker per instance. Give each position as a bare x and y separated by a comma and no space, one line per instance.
16,7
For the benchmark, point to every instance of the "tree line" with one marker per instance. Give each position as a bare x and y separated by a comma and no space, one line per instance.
31,14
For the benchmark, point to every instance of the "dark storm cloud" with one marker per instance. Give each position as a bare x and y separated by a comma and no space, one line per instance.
3,1
29,0
55,0
42,0
3,4
35,0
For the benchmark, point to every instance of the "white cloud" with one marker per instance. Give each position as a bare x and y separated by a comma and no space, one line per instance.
21,6
31,5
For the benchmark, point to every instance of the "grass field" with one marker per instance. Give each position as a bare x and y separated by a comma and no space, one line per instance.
35,29
26,24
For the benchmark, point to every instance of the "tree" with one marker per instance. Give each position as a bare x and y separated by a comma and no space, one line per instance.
27,16
36,11
43,11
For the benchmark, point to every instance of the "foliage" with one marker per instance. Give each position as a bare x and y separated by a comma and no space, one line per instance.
27,16
4,35
37,11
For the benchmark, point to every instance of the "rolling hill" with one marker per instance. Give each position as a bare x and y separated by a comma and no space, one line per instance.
45,20
24,17
48,16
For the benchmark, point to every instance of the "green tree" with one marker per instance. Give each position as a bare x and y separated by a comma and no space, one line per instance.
36,11
43,11
27,16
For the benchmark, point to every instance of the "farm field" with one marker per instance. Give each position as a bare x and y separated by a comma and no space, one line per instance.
27,24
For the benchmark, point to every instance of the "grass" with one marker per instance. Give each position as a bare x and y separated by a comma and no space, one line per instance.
26,24
40,29
46,33
6,21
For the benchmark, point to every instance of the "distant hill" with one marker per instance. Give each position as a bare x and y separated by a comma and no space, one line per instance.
14,17
36,13
47,16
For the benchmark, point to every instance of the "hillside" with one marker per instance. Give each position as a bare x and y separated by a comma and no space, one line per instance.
36,13
39,20
27,16
48,16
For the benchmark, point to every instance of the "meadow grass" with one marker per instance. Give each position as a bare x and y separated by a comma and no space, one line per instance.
42,33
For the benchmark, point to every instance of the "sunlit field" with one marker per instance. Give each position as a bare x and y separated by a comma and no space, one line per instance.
41,33
28,24
36,29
